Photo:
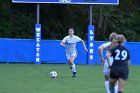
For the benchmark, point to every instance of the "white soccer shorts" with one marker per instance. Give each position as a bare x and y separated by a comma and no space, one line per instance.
106,70
69,55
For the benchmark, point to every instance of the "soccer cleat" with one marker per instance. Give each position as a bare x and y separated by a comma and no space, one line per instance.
74,74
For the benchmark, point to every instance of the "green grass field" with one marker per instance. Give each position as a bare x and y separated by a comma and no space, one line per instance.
31,78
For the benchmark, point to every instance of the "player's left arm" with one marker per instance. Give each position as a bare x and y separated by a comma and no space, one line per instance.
80,40
128,61
84,45
107,57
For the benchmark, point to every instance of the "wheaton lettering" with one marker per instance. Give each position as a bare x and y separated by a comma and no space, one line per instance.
38,40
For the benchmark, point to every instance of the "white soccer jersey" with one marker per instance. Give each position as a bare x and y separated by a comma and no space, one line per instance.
106,70
71,43
106,46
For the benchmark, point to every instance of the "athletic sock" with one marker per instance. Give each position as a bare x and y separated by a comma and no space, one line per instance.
116,88
73,68
111,87
120,92
107,86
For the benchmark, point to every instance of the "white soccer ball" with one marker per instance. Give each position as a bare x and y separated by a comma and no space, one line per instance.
53,74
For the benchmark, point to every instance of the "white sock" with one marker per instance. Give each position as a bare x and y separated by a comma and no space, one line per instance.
116,88
73,68
107,86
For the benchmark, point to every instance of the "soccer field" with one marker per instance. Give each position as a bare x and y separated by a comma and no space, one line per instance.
31,78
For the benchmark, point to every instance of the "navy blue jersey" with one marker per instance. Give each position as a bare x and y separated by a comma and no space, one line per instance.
121,56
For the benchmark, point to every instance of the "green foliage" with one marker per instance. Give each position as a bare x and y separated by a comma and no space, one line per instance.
18,20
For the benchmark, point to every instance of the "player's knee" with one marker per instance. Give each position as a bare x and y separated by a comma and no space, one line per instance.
70,62
112,82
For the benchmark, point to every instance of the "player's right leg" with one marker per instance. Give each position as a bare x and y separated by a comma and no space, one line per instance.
68,55
123,78
107,83
121,85
71,58
106,76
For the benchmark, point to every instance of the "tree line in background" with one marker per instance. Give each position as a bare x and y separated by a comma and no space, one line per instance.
18,20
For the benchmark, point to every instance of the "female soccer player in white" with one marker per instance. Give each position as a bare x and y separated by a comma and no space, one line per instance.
69,42
119,69
107,46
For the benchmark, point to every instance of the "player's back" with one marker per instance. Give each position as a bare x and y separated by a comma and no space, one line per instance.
121,56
